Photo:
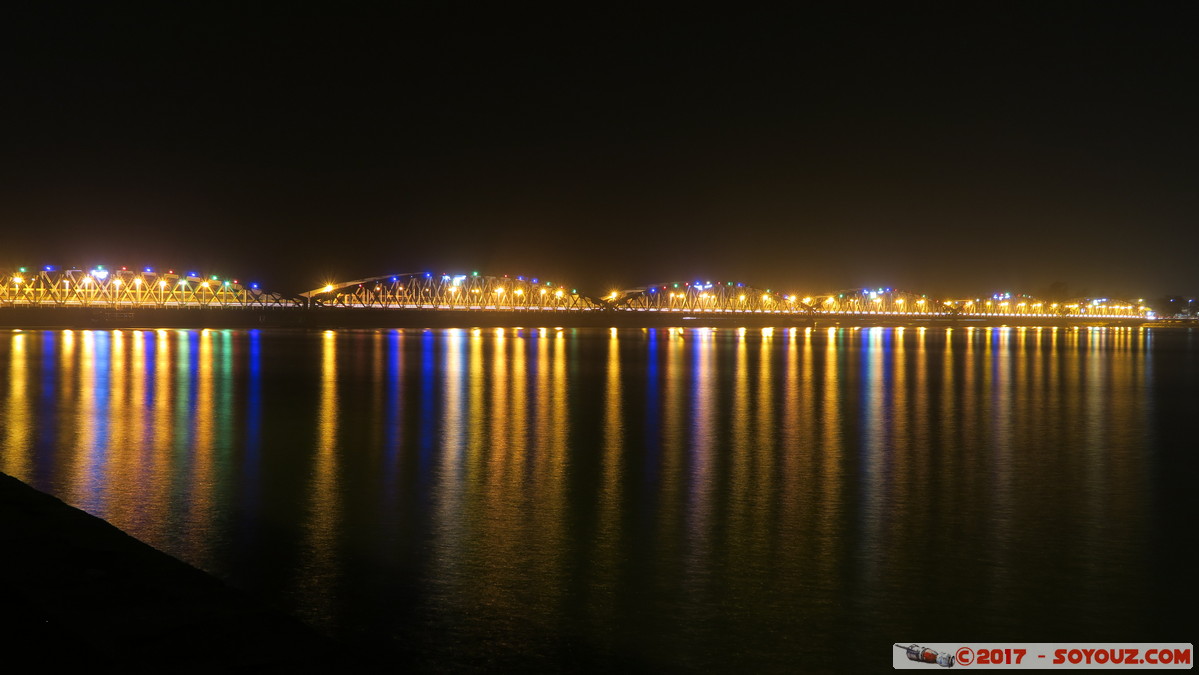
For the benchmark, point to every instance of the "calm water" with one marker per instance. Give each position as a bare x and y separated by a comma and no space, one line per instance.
679,499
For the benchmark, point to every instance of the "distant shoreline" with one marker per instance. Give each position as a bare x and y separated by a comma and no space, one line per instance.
327,317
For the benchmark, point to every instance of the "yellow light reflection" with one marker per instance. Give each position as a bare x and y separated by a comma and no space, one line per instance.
120,458
325,510
158,501
89,468
452,529
831,450
16,416
607,545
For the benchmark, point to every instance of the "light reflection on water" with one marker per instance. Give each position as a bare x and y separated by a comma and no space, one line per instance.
691,497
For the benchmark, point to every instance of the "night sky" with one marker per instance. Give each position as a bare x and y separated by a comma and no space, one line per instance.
943,150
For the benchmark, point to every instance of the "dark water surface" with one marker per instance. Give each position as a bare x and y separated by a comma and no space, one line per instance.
641,499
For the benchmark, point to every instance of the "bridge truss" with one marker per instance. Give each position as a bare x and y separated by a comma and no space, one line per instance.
1019,305
445,291
146,288
124,288
884,301
705,297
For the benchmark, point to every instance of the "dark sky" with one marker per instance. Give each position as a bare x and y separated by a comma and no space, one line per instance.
935,149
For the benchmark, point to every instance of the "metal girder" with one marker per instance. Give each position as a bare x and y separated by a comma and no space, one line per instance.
1020,305
103,287
706,297
451,291
880,301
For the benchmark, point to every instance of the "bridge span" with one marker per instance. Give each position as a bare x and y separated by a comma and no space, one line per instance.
451,292
150,296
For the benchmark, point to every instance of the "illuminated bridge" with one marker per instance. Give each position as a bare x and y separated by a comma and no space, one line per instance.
450,292
102,287
109,296
1018,305
737,298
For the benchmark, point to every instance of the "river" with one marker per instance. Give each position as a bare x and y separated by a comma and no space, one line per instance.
643,499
